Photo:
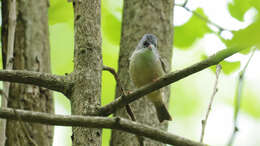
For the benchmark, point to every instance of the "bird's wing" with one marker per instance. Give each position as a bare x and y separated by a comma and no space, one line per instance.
164,65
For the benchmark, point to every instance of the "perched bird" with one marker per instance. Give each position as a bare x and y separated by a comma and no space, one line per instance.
145,67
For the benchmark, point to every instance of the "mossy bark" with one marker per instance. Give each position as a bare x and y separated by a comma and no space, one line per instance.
31,52
141,17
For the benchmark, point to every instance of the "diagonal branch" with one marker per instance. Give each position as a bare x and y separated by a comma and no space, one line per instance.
53,82
98,122
128,108
166,80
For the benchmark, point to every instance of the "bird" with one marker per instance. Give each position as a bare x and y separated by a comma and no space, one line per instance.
146,66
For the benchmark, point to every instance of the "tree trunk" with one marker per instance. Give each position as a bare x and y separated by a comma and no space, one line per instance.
85,97
31,52
141,17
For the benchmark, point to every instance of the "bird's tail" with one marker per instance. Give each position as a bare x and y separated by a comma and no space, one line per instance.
162,112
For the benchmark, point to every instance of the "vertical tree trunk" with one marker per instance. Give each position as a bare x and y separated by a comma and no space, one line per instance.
85,97
141,17
31,52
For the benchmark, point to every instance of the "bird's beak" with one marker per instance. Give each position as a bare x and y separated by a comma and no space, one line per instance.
150,46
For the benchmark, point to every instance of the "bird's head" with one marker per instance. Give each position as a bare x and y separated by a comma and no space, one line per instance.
148,41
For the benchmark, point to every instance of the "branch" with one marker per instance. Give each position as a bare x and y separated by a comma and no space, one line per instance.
238,97
53,82
215,90
98,122
166,80
128,108
113,72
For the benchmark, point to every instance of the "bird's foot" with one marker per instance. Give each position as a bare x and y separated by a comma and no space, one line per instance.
129,92
156,79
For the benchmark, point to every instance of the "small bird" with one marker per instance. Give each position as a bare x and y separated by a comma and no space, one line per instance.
145,67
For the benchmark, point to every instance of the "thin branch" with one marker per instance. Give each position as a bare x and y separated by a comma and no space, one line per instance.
53,82
128,108
113,72
9,63
166,80
238,98
130,112
184,6
215,90
99,122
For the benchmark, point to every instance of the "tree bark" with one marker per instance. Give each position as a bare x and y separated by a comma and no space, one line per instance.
86,93
9,64
31,52
141,17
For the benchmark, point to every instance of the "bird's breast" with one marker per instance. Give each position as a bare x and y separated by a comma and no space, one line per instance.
145,67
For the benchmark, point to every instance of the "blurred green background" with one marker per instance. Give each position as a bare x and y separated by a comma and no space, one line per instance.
194,40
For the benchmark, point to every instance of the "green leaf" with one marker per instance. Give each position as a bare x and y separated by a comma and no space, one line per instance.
111,20
245,38
60,11
245,51
62,44
238,8
106,134
227,67
181,98
191,31
111,27
250,103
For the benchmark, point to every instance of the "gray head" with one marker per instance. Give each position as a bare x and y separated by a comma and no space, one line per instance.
147,40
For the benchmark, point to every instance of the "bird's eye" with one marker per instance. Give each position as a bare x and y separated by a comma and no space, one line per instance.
146,44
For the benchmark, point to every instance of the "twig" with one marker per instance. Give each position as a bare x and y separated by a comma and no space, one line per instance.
184,6
99,122
215,90
238,98
9,63
54,82
128,108
166,80
113,72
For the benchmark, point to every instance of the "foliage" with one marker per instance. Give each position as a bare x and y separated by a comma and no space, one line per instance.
111,20
188,33
238,8
60,12
249,36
